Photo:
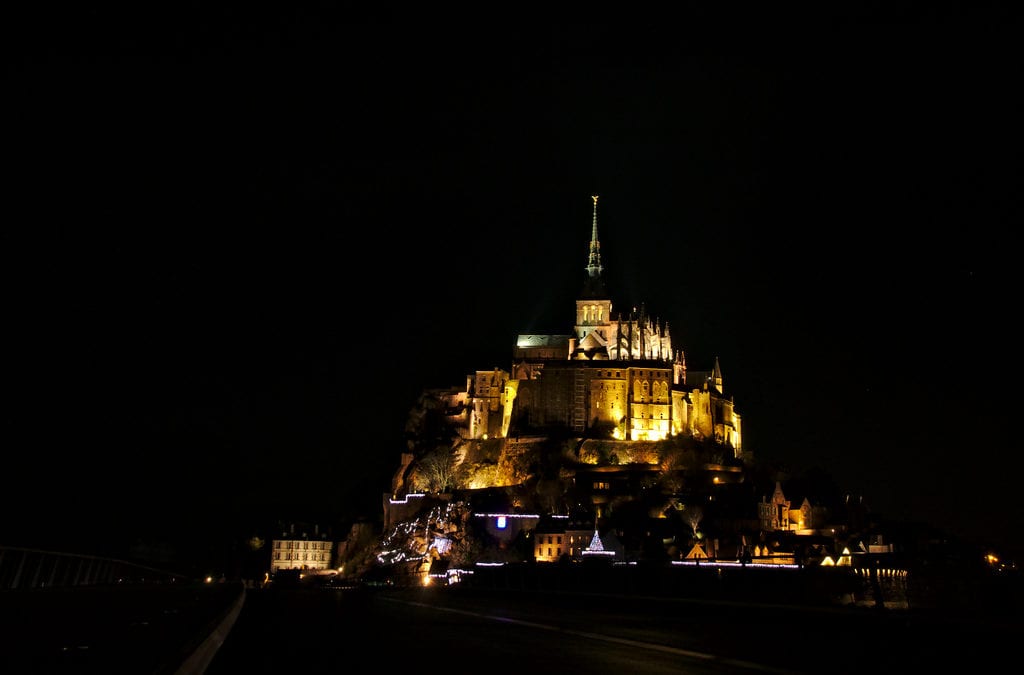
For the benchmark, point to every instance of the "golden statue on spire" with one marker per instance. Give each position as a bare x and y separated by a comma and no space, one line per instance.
594,197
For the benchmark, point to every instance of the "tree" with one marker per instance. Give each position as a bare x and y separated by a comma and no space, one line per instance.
427,425
692,515
549,494
436,470
466,549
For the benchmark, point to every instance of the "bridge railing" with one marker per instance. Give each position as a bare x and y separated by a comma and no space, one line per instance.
26,568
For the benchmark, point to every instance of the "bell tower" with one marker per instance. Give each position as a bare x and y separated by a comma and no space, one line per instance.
594,308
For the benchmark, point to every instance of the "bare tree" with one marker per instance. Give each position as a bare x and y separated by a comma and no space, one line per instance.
692,515
437,469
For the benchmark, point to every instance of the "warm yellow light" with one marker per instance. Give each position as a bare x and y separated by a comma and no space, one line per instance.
209,580
426,579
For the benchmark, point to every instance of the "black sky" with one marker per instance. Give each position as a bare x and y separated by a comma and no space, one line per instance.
239,246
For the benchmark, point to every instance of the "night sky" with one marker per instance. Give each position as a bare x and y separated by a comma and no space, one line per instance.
238,246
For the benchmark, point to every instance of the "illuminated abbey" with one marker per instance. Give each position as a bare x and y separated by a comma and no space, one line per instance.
616,375
599,441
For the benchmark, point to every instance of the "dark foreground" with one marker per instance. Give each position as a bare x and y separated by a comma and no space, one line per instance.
135,629
501,624
467,630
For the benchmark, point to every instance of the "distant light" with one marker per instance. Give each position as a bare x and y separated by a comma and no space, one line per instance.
506,515
502,522
411,495
737,563
209,580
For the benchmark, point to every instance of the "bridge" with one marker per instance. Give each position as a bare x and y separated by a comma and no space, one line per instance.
72,613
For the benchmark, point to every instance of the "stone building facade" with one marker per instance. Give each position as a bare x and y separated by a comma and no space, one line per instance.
618,372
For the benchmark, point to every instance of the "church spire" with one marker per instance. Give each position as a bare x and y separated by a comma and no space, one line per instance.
594,261
593,283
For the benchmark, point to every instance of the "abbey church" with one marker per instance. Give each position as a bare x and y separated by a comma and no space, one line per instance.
616,375
601,428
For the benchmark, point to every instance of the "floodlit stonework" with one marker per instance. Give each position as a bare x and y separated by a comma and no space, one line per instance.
302,551
617,372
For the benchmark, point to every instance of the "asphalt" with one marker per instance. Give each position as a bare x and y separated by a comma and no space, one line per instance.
160,629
